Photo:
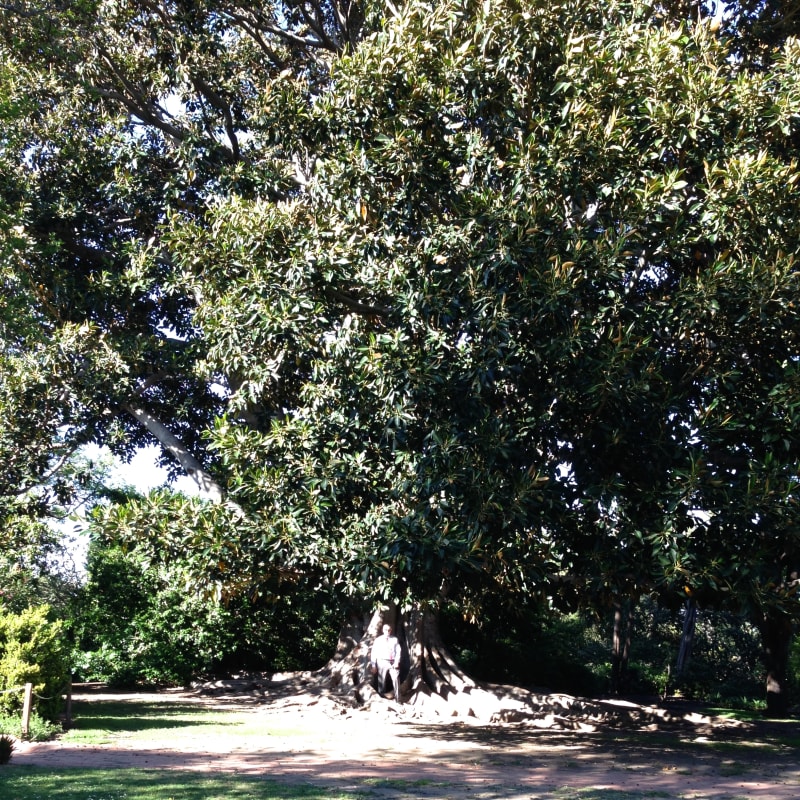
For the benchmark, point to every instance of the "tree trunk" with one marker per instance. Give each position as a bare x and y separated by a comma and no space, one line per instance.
687,637
431,683
621,646
434,688
776,637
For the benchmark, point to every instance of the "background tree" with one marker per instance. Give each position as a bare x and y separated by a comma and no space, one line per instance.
135,623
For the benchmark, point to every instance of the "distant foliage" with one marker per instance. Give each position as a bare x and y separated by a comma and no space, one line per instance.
533,646
724,665
571,652
131,627
136,625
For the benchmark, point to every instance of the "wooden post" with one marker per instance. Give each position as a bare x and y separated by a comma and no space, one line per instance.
68,720
26,708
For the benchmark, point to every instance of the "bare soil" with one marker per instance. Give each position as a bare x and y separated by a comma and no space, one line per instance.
384,751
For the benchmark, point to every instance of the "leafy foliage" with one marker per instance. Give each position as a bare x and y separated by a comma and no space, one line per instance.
526,645
450,299
39,729
33,650
6,748
503,335
136,624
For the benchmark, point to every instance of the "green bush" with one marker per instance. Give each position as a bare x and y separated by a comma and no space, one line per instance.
134,625
32,650
39,729
6,748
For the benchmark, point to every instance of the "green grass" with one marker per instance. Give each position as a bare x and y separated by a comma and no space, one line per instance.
605,794
101,722
31,783
98,723
401,784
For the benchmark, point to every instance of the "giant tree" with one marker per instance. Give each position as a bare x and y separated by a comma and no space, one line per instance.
481,348
431,295
120,115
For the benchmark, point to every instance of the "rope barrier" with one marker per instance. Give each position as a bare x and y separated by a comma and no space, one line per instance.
38,696
60,693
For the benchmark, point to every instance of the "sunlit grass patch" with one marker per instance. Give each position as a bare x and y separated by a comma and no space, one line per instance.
31,783
101,722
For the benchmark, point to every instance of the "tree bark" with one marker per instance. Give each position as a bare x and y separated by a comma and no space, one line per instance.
433,687
193,468
776,636
687,637
430,680
621,646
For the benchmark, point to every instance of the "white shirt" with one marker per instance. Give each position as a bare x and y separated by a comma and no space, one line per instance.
386,648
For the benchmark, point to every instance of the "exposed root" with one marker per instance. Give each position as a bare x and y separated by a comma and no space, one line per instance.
435,689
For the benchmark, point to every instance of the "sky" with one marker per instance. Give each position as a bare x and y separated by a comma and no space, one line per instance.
142,473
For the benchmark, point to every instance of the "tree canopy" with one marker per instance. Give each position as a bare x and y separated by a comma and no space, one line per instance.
438,297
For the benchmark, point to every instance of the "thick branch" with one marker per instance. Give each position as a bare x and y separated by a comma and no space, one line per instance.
193,468
218,103
352,304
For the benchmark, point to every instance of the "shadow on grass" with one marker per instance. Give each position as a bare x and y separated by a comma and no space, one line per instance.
131,717
30,783
758,751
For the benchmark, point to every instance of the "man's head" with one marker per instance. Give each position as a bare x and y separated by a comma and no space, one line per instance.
387,630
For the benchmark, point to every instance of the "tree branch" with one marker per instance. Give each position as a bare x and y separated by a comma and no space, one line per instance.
193,468
356,305
220,105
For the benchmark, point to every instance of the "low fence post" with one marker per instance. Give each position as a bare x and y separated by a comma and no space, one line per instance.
68,720
26,708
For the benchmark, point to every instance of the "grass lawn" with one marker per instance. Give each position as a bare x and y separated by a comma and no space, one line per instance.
104,722
31,783
97,723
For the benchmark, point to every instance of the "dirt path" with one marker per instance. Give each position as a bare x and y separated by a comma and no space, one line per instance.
388,755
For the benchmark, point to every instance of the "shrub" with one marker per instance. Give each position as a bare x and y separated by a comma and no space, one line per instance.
32,651
133,624
6,748
39,730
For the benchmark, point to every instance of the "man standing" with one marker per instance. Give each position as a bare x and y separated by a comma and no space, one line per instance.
385,658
